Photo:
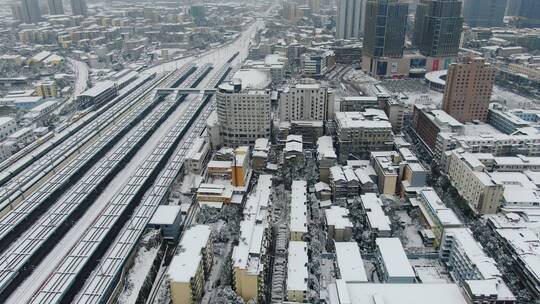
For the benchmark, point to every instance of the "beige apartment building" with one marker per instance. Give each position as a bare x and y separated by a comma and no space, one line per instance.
468,175
469,85
190,267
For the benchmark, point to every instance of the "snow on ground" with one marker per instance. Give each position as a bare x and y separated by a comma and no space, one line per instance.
164,295
410,237
415,89
513,100
137,275
371,271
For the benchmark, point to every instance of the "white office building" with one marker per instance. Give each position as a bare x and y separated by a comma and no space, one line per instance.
307,100
243,107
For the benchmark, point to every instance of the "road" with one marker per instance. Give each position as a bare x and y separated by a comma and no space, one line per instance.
82,73
81,76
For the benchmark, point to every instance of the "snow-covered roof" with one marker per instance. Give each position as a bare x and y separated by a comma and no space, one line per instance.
196,150
322,186
370,118
350,263
325,148
376,217
165,215
261,144
259,199
394,258
41,56
338,217
298,213
337,173
246,254
470,248
98,88
445,215
254,78
384,293
184,265
297,273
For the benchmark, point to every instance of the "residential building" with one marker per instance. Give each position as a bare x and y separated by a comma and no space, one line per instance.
306,100
358,103
56,7
350,19
487,13
469,85
435,214
429,122
47,89
22,137
516,174
496,144
338,224
197,156
249,258
384,37
521,241
393,262
343,182
298,213
400,293
398,171
78,7
293,153
506,121
468,175
395,109
378,222
297,272
214,194
8,126
326,156
437,31
466,260
243,107
191,265
349,264
259,200
316,62
259,154
232,165
358,133
309,130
